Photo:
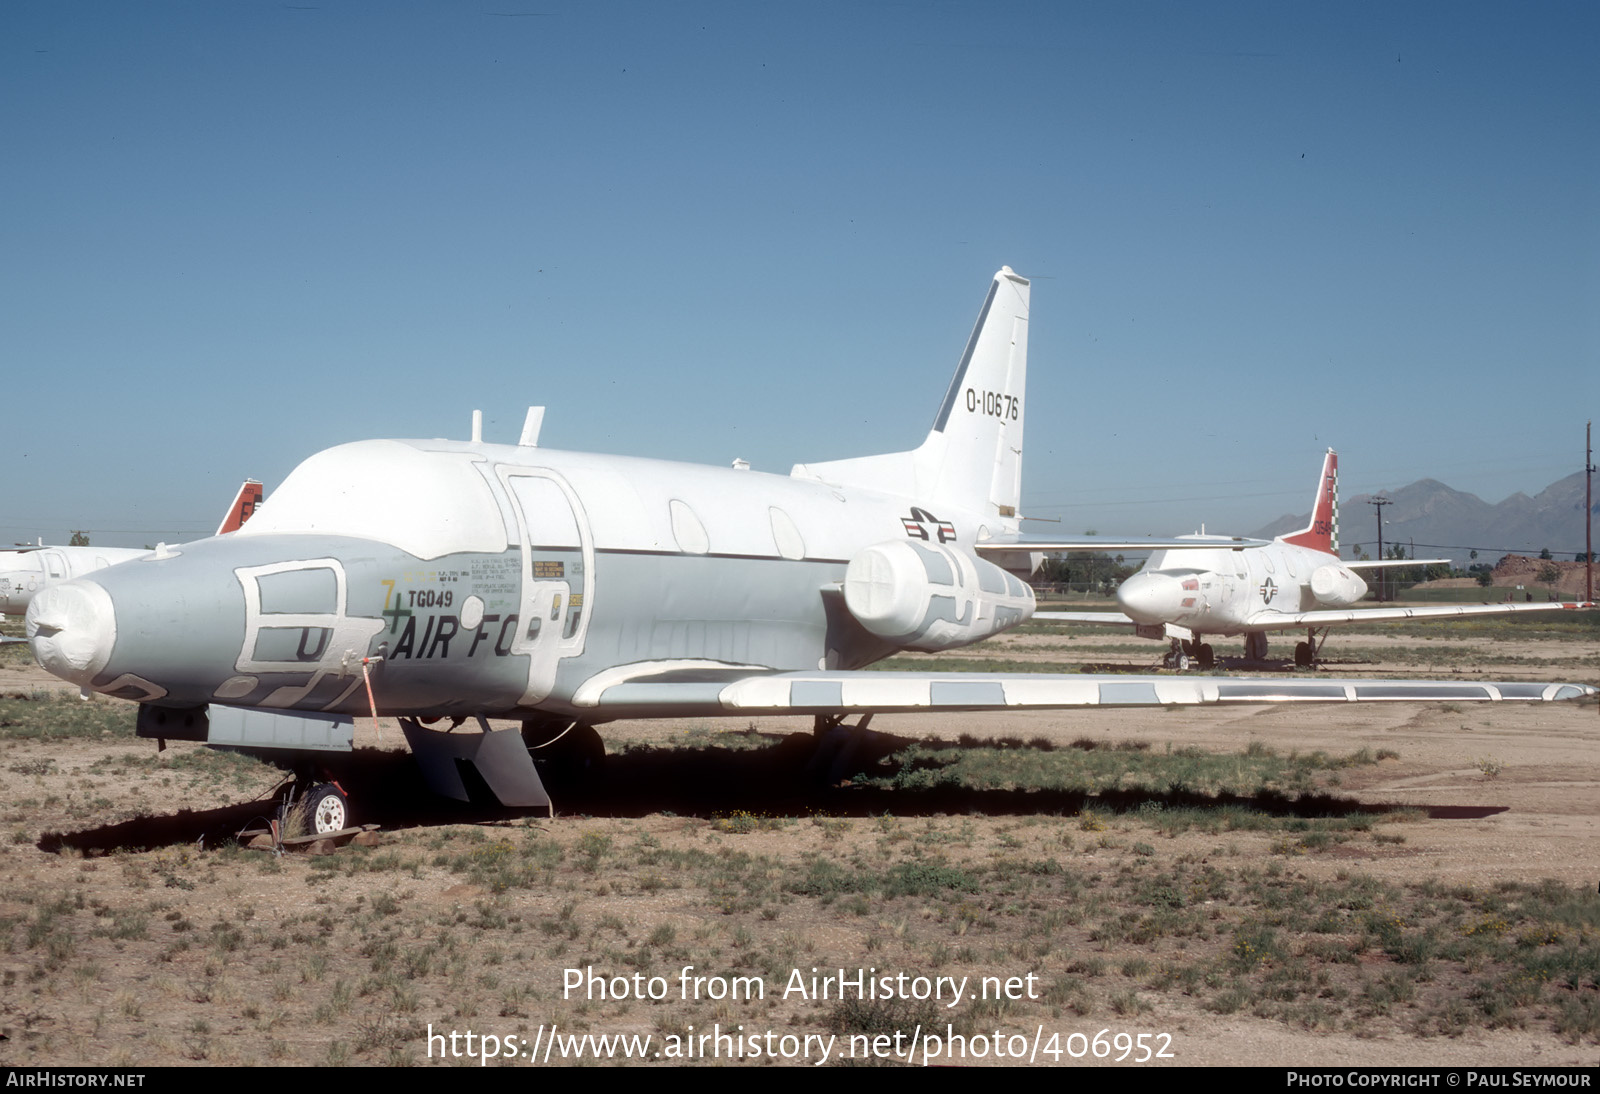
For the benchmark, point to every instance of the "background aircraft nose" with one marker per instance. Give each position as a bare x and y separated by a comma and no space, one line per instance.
1150,598
72,628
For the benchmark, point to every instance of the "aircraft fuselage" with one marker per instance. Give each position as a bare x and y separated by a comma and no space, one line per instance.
500,580
24,573
1227,592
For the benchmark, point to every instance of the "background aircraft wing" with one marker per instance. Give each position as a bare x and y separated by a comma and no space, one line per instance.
1017,541
1099,619
1382,563
676,689
1335,616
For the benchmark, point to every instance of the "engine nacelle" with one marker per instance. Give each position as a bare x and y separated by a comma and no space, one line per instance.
932,596
1335,585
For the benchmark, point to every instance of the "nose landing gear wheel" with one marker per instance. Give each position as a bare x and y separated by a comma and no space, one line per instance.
1178,655
327,809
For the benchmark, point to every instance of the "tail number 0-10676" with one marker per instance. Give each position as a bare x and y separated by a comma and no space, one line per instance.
995,404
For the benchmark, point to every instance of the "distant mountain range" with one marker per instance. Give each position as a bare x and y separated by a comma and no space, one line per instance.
1446,523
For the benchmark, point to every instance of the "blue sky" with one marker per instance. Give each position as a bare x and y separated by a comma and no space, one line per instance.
234,234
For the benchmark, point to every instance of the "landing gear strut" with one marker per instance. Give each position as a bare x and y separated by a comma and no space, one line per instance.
837,745
1187,650
1305,653
572,751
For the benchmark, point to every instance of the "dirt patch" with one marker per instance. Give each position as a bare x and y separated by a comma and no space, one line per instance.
138,935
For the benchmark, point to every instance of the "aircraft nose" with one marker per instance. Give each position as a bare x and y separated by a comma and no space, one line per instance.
1150,598
72,628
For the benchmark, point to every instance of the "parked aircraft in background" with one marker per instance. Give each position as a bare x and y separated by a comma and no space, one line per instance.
431,579
1295,581
26,570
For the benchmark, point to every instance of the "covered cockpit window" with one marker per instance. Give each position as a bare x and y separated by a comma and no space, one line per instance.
428,504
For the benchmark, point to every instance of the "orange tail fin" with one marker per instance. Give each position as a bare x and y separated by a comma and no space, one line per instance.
1322,534
244,504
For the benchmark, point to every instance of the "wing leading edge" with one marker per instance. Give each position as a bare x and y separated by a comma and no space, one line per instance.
1334,616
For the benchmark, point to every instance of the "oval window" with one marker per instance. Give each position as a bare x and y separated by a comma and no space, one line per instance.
687,529
786,536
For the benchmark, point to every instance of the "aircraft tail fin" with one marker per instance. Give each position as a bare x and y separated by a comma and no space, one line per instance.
244,505
972,457
1322,534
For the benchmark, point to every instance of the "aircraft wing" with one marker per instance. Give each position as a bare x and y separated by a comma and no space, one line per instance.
1382,563
1017,541
1099,619
678,689
1335,616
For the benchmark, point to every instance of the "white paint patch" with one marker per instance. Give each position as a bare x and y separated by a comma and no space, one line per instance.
235,687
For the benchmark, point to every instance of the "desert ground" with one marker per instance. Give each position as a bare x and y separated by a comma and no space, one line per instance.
1373,884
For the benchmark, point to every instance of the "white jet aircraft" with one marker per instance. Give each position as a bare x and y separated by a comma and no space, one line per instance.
26,570
1295,581
430,579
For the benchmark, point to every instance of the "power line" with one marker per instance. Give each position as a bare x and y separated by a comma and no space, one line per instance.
1474,547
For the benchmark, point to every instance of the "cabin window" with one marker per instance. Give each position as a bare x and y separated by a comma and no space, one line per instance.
687,529
309,591
785,536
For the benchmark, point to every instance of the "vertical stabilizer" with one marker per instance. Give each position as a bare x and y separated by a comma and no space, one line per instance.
1322,534
244,505
972,457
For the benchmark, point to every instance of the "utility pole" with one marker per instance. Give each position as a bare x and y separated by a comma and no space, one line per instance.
1588,511
1380,501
